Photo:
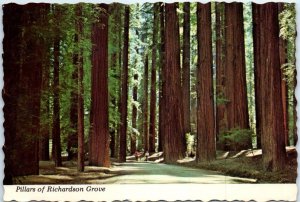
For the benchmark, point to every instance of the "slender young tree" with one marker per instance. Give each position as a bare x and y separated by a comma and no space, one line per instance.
124,97
145,105
56,103
73,135
186,67
80,105
161,76
134,116
99,140
152,131
174,138
206,150
268,78
220,71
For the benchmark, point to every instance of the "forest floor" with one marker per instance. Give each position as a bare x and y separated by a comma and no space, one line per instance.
248,163
230,167
131,172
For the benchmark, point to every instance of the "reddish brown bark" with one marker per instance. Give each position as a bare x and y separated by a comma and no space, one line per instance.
174,138
23,61
220,71
206,150
80,91
269,86
56,144
235,71
152,131
99,140
186,67
124,97
284,87
161,77
257,37
145,106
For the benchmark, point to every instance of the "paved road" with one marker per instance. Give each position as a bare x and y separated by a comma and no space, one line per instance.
154,173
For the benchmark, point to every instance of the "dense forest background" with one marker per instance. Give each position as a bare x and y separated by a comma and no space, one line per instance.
95,82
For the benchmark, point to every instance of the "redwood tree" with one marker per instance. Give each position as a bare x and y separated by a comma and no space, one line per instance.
80,104
186,67
124,96
145,105
161,76
152,131
235,71
23,61
99,136
268,78
220,71
56,103
206,150
174,137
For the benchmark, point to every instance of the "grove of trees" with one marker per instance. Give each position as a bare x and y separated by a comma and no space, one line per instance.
99,82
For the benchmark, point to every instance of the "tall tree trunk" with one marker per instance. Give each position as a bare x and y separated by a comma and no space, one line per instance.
257,37
99,140
134,116
206,149
284,87
45,99
152,131
11,68
80,105
186,67
269,86
220,72
124,98
73,135
23,62
235,71
145,105
56,103
174,138
161,77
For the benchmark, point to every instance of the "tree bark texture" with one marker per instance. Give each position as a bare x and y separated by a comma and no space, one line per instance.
206,149
186,67
56,142
161,77
145,105
235,71
257,29
284,87
268,76
124,97
80,91
99,140
221,119
152,131
174,137
23,61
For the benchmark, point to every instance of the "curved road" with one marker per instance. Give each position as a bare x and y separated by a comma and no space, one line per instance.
157,173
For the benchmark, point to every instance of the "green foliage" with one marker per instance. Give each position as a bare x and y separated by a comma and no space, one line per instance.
287,21
236,138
